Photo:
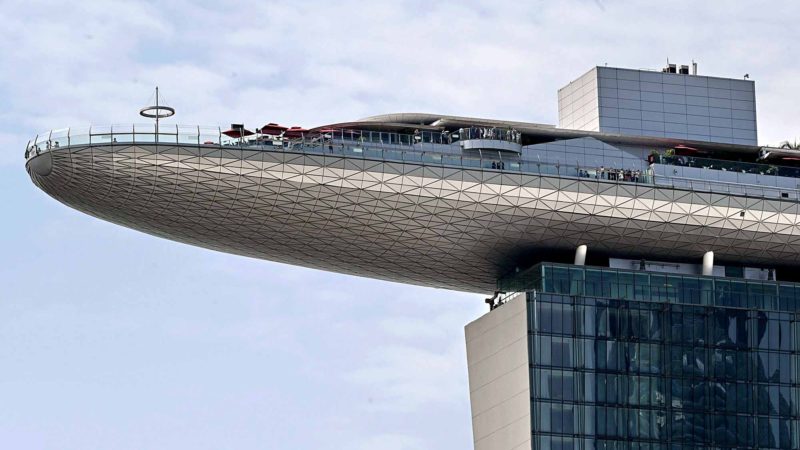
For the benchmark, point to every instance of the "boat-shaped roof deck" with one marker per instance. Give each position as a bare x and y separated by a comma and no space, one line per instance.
413,204
506,146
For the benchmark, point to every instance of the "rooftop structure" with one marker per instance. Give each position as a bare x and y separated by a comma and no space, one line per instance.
671,103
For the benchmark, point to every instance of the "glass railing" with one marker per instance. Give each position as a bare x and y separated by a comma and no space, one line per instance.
147,134
622,284
127,134
727,187
424,147
413,148
494,133
729,166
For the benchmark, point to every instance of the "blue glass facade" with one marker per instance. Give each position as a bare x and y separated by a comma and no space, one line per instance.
639,360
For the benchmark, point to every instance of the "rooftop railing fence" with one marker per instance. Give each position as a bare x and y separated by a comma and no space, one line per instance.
421,147
730,166
727,187
415,148
148,134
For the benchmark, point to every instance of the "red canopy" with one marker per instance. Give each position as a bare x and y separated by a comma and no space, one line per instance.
273,128
294,132
237,132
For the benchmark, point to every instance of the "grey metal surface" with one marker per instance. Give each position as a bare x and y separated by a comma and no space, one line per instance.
445,227
664,105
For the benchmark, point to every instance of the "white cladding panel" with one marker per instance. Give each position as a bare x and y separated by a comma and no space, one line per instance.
499,381
648,103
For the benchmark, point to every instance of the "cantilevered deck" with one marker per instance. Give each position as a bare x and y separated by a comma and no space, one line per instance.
405,204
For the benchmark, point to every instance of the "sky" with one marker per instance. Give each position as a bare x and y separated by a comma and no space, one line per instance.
112,339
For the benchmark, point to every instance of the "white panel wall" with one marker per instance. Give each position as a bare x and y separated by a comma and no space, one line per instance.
649,103
577,104
499,386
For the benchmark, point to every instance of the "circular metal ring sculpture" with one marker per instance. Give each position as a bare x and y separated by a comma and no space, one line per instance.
157,112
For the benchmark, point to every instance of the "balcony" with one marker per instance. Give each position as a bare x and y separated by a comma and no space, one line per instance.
495,139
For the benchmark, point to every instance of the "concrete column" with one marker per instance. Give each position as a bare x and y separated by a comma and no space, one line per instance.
708,263
580,255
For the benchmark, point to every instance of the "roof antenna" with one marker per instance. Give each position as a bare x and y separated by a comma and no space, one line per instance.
157,112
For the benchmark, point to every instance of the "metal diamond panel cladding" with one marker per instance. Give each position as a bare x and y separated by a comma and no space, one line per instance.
433,226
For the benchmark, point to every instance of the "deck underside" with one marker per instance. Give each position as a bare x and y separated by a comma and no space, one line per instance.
444,227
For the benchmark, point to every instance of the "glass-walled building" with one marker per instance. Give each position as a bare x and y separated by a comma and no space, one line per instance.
623,359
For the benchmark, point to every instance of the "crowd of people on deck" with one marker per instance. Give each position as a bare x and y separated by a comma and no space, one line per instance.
602,173
447,137
509,134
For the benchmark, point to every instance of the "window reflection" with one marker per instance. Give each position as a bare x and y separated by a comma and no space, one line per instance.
627,374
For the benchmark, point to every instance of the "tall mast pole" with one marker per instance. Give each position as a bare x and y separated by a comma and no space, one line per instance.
157,115
157,112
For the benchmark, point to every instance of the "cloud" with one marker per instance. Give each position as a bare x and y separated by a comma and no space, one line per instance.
347,60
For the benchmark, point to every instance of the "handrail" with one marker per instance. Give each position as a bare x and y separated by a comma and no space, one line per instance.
739,187
729,166
345,142
372,144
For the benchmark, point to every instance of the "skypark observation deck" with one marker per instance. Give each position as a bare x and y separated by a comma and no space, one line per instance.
436,148
437,207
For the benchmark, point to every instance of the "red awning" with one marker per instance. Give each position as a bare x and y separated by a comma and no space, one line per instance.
272,128
790,158
237,133
683,147
295,132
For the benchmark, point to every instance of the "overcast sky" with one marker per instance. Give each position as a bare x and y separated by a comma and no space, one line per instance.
111,339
